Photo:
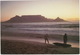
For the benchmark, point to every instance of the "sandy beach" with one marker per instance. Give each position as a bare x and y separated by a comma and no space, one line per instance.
27,43
14,47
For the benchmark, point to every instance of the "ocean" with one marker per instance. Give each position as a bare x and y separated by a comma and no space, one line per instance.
71,28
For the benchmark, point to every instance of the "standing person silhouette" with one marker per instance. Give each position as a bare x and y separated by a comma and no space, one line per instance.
65,38
46,38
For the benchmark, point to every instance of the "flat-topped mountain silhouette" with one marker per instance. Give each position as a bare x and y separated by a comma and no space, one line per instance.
33,18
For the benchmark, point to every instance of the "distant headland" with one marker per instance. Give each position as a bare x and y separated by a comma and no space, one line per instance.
33,18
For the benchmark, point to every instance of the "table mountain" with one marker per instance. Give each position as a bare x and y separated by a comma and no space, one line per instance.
33,18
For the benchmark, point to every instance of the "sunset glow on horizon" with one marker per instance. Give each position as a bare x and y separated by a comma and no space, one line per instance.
65,9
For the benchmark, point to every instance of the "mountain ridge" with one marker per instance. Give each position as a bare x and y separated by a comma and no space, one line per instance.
33,18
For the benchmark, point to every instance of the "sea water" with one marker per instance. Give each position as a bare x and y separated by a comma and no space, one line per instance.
71,28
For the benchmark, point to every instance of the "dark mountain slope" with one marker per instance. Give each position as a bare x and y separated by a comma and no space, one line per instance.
32,18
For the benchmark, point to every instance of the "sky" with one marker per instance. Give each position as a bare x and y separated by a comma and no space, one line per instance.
65,9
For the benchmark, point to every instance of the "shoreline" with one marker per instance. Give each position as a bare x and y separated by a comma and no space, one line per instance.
27,43
32,35
73,40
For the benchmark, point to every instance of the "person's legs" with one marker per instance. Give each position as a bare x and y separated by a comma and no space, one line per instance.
65,41
48,41
45,41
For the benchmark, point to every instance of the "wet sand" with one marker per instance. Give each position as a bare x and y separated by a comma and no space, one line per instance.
33,44
73,40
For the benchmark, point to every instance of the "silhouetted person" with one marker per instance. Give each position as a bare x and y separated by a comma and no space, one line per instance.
65,38
46,38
